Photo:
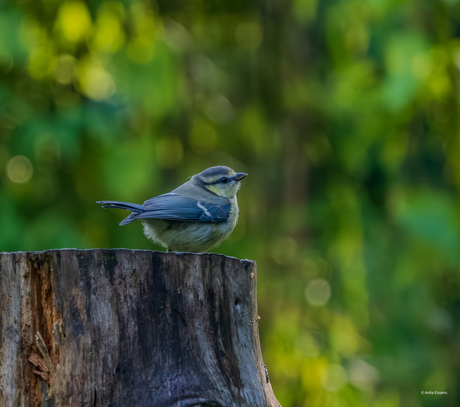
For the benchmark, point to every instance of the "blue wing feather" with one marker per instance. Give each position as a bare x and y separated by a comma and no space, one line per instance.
176,207
173,207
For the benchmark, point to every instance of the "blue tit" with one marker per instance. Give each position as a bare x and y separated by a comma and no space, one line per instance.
195,217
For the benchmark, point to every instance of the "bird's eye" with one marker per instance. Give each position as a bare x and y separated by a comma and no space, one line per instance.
224,180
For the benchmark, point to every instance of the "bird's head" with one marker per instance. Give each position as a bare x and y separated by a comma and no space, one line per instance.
220,180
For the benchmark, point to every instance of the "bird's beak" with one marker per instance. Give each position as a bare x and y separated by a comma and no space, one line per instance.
240,175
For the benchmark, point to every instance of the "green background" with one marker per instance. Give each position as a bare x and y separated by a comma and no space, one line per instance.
343,112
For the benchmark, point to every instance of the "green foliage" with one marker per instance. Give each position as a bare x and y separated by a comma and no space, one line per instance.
345,115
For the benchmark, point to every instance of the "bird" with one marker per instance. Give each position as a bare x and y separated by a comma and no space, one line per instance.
195,217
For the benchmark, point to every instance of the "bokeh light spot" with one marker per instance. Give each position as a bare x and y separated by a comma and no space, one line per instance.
19,169
65,69
318,292
362,375
109,35
74,20
42,58
335,378
95,82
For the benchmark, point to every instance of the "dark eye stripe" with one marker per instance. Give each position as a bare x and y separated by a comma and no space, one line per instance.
219,181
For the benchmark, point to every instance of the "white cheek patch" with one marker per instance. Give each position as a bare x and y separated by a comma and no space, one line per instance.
206,212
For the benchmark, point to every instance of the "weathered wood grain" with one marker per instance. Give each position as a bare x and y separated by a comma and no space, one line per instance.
129,328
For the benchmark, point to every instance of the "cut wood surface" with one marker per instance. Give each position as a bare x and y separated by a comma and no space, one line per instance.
137,328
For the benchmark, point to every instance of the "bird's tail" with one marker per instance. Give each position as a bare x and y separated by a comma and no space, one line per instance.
135,208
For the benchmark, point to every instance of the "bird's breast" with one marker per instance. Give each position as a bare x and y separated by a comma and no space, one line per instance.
234,211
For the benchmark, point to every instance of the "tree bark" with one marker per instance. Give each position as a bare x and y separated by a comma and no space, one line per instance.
129,328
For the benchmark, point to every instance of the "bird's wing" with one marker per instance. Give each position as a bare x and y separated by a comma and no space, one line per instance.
176,207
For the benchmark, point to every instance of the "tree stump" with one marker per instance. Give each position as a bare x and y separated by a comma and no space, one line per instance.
136,328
